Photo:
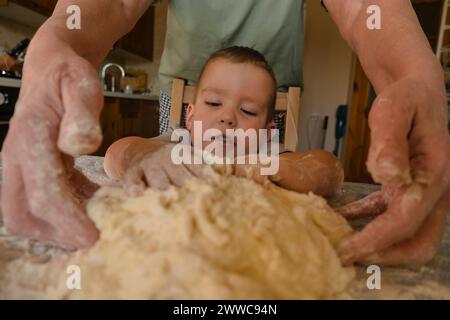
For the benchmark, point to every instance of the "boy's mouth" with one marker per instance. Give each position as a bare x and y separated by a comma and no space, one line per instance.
225,139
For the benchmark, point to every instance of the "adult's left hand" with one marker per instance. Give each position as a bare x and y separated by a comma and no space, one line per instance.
410,156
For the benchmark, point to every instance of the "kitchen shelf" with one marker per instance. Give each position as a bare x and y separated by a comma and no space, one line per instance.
121,95
15,83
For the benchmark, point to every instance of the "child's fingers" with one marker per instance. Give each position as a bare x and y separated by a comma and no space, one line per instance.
134,183
197,170
156,178
177,174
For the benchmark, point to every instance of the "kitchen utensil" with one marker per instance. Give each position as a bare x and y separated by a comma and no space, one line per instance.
341,123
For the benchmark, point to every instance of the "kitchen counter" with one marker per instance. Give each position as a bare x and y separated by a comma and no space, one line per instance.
15,83
121,95
431,281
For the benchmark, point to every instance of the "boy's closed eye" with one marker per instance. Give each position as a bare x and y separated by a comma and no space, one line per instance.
248,112
243,109
213,103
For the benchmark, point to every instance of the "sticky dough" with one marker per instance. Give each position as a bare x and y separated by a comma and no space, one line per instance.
225,238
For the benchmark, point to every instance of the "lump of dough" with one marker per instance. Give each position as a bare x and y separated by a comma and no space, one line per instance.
225,238
221,238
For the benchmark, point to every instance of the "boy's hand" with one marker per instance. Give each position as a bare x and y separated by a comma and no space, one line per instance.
152,167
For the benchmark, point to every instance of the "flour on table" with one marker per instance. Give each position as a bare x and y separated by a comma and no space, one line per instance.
224,238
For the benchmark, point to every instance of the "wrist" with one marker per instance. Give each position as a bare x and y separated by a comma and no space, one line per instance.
54,37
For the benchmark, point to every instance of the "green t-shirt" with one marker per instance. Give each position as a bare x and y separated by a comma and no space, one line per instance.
197,28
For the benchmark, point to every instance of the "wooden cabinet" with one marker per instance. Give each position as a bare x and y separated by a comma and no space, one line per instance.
358,134
127,117
429,15
44,7
138,41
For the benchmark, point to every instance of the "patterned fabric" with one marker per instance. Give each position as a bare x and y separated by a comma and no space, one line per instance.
164,113
278,118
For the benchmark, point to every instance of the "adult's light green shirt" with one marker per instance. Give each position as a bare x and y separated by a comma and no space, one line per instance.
197,28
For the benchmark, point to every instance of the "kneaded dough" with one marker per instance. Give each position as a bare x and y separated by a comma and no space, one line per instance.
221,238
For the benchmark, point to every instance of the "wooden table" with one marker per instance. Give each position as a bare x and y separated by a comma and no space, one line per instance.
431,281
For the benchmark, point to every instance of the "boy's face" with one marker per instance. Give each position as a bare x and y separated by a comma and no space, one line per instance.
231,96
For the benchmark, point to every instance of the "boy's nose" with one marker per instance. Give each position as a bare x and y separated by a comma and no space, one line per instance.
227,122
227,119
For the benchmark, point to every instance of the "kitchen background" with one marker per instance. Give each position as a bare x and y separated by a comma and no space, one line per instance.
336,88
21,19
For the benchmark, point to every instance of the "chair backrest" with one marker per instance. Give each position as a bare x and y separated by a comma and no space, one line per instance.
288,102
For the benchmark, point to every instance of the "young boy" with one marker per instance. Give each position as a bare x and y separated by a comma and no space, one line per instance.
236,90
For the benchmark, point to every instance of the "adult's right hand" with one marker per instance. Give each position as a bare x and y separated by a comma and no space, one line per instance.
56,117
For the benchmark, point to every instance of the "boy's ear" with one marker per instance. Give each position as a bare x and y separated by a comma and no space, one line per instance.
270,125
189,116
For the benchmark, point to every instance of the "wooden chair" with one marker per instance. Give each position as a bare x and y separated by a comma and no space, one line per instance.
288,102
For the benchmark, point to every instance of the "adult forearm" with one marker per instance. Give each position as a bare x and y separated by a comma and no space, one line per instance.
398,50
103,22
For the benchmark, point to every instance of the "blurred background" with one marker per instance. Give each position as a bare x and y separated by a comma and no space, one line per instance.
334,105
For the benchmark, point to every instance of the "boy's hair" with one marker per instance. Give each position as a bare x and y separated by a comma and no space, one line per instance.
239,54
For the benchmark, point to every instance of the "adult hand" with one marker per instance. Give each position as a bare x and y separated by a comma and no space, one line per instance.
409,155
56,117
